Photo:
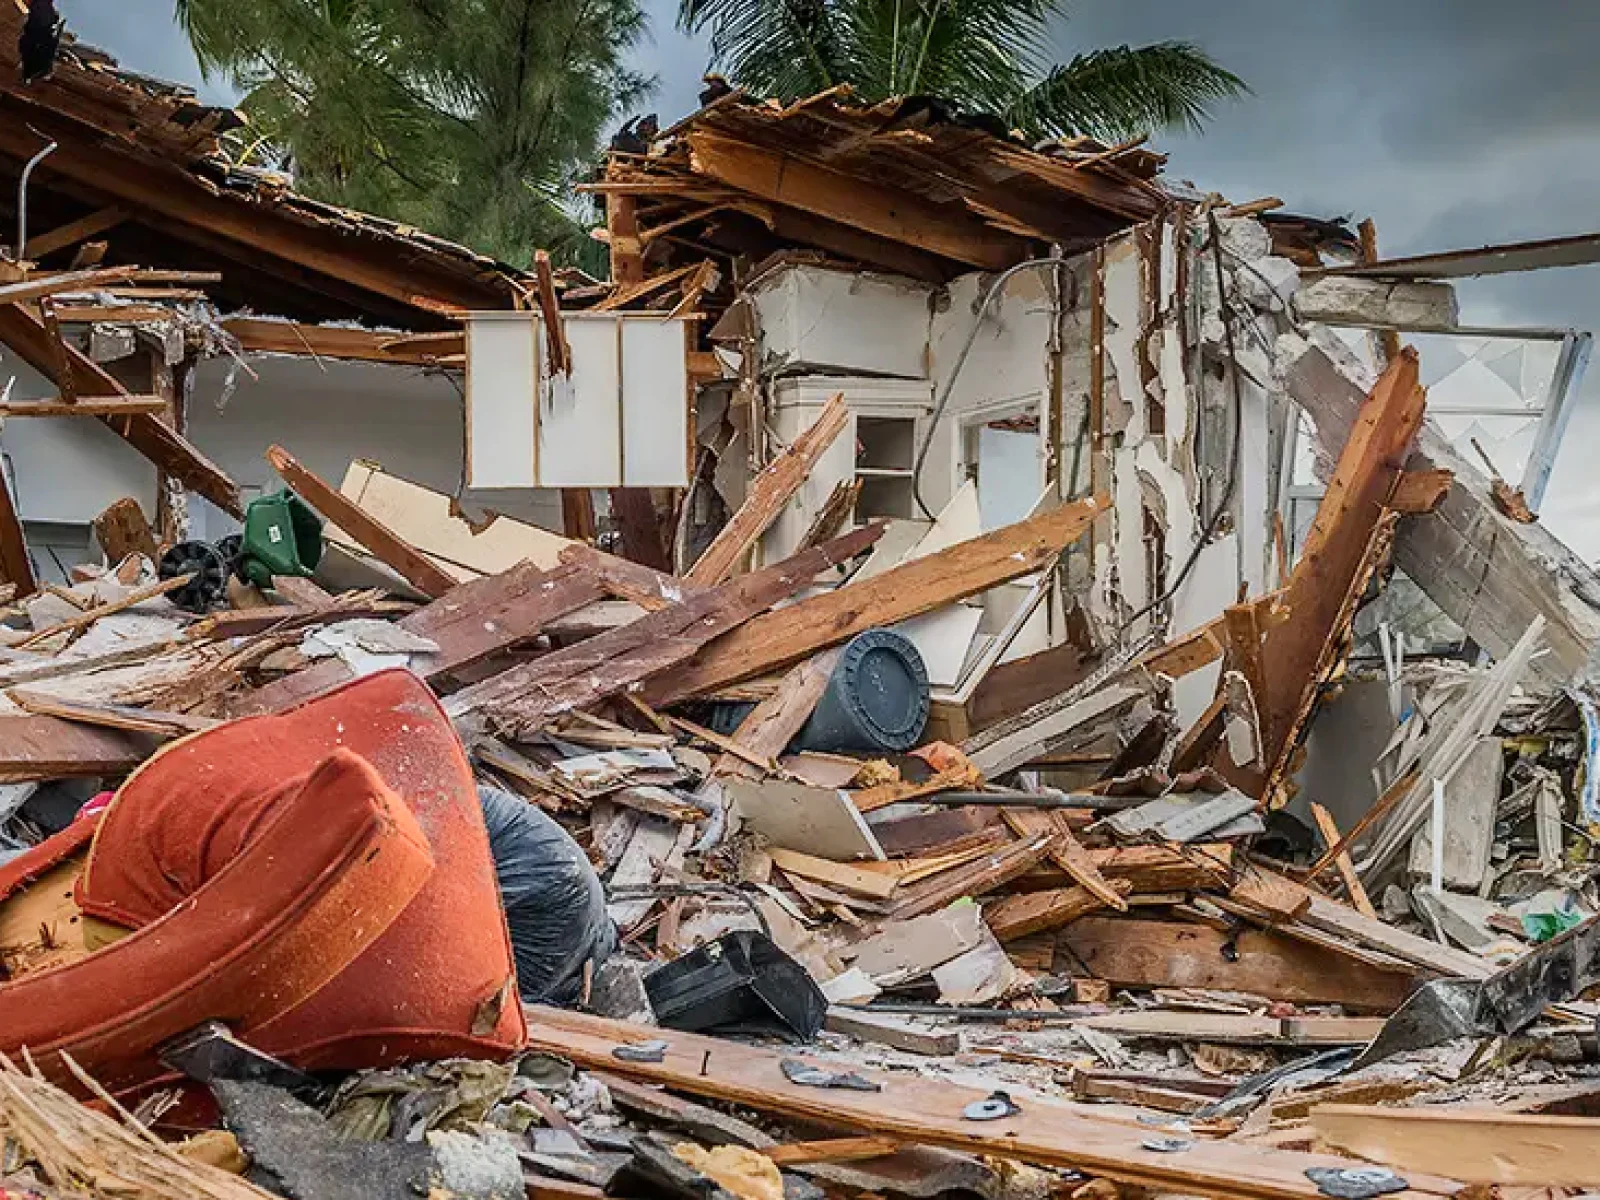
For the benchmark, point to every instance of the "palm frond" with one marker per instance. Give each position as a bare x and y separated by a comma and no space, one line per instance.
1125,91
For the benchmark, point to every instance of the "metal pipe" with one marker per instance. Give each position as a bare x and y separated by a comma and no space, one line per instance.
22,196
1055,260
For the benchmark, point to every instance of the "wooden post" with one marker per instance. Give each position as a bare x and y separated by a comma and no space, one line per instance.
172,385
634,512
15,565
622,223
1385,342
577,514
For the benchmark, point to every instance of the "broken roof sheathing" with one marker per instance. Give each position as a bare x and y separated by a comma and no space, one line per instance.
902,186
144,159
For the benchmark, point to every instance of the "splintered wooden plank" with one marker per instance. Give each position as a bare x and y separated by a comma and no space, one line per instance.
73,232
524,697
1019,915
1329,829
1166,868
1298,652
110,716
829,1150
122,529
1066,852
777,639
769,491
389,547
89,616
882,795
973,878
1478,1145
469,623
1166,954
769,727
34,747
87,406
929,1111
71,370
64,281
1242,1029
855,880
647,587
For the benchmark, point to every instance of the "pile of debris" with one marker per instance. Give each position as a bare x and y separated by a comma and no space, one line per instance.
943,752
1151,936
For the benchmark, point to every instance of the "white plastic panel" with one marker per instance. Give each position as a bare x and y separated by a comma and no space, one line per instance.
502,382
580,425
655,387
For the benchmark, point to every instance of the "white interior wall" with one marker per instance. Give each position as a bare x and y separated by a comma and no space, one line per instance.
408,420
67,469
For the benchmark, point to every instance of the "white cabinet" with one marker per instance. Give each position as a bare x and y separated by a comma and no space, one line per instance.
888,420
618,418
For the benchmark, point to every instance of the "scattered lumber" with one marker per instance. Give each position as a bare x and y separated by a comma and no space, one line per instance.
1347,870
895,1032
1480,1145
523,697
1237,1028
1019,915
929,1111
780,639
857,881
850,1149
34,747
1170,954
768,492
110,716
1298,654
415,567
88,617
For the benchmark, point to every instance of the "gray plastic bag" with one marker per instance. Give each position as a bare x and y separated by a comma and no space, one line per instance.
554,903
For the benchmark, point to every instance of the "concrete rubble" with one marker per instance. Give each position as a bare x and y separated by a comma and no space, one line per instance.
1028,702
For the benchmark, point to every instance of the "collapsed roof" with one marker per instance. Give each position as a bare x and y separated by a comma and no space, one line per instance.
903,186
143,160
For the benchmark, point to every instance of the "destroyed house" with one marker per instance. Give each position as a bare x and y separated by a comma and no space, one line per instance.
986,601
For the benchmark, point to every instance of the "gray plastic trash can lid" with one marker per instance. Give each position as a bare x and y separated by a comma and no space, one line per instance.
877,697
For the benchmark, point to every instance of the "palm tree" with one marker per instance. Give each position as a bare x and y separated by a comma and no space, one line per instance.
986,56
467,118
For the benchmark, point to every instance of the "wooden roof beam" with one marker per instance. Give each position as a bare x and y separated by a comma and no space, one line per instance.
73,232
71,370
893,215
180,197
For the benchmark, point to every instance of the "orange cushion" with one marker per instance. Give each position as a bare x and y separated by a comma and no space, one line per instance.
437,973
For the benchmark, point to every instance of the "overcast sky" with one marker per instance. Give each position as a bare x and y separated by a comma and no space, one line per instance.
1453,123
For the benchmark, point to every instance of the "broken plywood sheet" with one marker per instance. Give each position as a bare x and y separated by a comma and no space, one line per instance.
795,816
428,520
983,975
1490,574
904,950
